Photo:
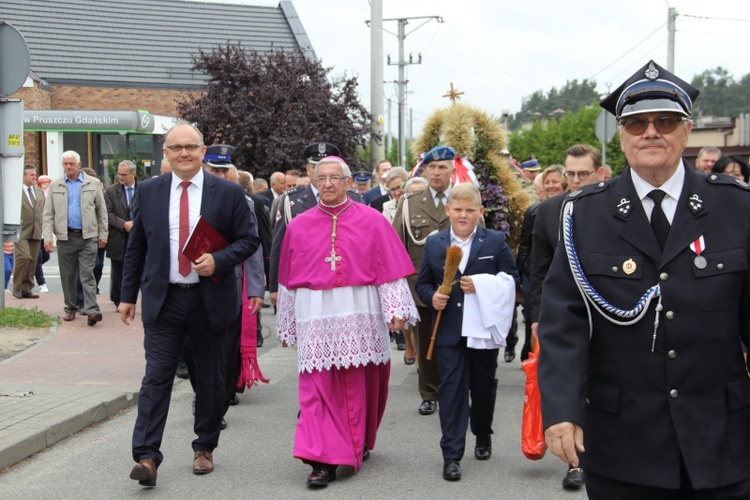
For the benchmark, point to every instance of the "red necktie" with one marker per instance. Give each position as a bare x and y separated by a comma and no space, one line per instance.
184,262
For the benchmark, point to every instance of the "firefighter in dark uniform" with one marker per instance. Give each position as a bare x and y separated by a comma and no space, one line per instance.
641,369
296,201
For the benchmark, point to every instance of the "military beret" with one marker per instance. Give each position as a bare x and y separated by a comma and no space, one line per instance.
319,150
219,156
439,153
651,89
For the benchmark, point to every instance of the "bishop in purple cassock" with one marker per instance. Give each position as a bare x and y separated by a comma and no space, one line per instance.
342,287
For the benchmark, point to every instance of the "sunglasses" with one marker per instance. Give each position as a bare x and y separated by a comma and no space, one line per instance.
663,124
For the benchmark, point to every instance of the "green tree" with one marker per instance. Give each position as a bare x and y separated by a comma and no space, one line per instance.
549,139
572,96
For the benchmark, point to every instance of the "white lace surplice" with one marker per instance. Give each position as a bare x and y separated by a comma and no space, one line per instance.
342,327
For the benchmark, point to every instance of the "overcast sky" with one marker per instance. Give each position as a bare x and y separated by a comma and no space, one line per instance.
499,52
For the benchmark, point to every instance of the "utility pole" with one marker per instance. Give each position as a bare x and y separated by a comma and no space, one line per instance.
401,35
377,152
671,17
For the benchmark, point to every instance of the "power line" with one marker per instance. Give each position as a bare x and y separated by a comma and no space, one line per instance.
626,53
716,18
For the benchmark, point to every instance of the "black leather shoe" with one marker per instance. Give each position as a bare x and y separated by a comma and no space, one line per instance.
182,372
259,343
510,355
223,424
366,455
574,478
234,401
427,407
452,470
320,477
400,340
194,404
483,448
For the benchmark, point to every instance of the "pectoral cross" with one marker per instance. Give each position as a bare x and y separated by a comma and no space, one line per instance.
333,259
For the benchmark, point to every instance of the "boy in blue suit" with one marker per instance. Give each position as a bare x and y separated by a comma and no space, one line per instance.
467,345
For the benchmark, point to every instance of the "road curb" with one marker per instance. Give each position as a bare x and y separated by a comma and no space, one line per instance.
78,411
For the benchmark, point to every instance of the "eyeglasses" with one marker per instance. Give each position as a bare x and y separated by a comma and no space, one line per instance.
190,148
396,188
581,175
125,174
334,179
663,124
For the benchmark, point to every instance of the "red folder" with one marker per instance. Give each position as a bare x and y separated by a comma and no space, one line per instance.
204,238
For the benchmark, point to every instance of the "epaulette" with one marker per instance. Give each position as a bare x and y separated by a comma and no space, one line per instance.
413,193
727,180
598,187
294,190
352,190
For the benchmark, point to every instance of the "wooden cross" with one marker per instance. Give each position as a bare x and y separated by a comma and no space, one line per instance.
454,95
333,259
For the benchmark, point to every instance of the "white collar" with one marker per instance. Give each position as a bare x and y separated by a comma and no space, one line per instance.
673,186
197,180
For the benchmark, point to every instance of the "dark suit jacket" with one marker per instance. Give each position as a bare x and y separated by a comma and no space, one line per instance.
371,195
643,411
489,254
544,239
301,199
224,206
267,196
264,227
31,216
377,203
118,213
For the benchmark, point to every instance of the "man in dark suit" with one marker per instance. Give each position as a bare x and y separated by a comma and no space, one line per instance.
119,197
643,310
379,190
296,201
466,357
419,215
275,190
181,298
30,241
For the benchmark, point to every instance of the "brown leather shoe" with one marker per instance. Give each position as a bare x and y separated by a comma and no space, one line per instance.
320,477
94,318
203,462
69,316
29,295
144,472
17,294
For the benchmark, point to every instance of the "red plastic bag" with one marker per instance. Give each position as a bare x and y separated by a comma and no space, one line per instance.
532,430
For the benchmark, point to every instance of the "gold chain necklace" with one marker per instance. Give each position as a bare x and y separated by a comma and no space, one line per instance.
333,259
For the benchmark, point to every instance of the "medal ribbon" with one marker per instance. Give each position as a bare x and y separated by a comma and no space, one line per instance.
698,246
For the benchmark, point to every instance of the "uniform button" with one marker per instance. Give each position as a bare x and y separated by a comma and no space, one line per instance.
719,266
601,184
673,394
664,276
588,401
459,304
615,269
672,354
670,315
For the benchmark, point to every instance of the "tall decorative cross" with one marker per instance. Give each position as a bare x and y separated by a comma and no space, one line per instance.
454,95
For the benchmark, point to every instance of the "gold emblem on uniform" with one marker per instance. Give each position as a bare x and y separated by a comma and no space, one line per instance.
628,267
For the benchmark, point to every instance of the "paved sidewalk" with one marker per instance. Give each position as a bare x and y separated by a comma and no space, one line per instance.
80,376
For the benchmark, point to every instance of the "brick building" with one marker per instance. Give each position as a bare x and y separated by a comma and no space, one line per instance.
106,75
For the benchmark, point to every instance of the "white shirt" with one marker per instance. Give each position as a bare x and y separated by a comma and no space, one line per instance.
195,195
465,247
673,188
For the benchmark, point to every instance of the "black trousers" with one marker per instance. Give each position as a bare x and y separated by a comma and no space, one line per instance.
116,280
231,361
183,314
467,393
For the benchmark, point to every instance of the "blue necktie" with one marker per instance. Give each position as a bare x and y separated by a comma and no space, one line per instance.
129,191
